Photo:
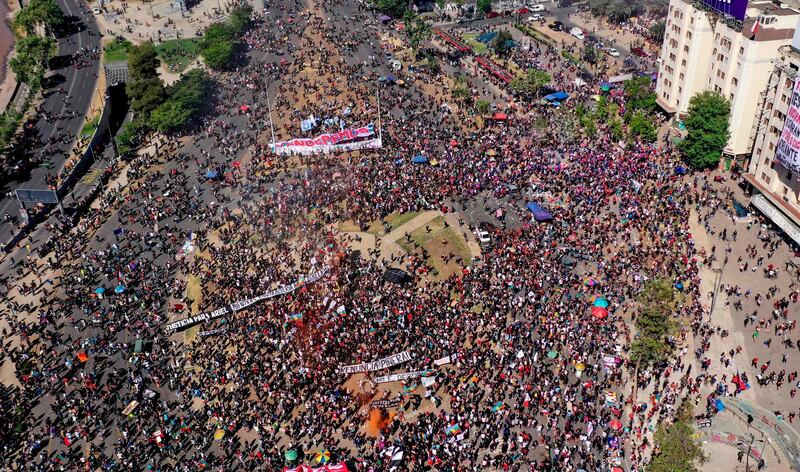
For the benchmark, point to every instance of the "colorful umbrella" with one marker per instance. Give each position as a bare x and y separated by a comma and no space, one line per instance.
599,312
323,456
290,455
82,357
601,302
100,290
590,282
119,289
615,424
580,366
552,354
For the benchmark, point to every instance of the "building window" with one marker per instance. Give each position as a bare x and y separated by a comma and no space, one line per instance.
787,84
731,97
688,35
680,89
680,76
671,57
717,89
683,63
771,146
765,178
686,49
734,81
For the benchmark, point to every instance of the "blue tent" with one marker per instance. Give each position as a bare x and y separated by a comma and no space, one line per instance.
680,170
557,97
420,159
719,405
539,213
212,174
487,37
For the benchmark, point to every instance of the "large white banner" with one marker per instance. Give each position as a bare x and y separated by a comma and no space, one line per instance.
380,364
403,376
242,304
345,140
788,152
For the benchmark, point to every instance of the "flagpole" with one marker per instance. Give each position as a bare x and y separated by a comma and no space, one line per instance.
269,111
378,98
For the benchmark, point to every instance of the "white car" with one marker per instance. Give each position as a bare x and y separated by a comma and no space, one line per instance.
612,52
96,11
577,32
536,17
536,8
483,237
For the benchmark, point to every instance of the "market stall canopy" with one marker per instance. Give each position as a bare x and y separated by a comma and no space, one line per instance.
557,97
212,174
499,116
420,159
539,213
385,19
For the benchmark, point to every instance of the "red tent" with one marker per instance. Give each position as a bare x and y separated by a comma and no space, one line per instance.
499,116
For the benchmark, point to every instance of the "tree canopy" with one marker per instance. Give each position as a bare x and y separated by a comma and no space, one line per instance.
143,62
484,6
677,450
30,60
639,94
502,42
707,129
39,12
418,30
393,8
531,83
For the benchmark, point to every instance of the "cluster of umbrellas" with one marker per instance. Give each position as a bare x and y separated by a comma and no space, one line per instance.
101,290
599,304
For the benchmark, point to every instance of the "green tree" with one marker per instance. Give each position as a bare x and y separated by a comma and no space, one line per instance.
9,122
707,129
143,62
239,18
615,128
31,58
482,107
641,127
639,94
657,31
654,323
39,12
461,91
393,8
129,137
589,53
677,450
484,6
169,116
217,55
531,83
146,95
192,90
418,30
501,43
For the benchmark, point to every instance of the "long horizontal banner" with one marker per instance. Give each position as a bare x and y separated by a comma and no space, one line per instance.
380,364
393,403
242,304
403,376
345,140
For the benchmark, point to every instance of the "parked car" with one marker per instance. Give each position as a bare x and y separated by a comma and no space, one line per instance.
483,238
492,14
612,52
556,26
577,32
638,51
522,11
538,7
536,17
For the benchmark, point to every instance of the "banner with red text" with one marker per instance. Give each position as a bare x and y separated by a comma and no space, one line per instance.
345,140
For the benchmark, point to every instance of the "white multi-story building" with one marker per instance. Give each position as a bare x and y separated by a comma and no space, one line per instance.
776,191
702,51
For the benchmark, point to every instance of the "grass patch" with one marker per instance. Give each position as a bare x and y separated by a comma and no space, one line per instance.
177,54
90,127
397,220
568,56
439,241
533,33
471,41
116,50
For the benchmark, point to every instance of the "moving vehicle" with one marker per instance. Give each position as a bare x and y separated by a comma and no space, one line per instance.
483,238
612,52
556,26
492,14
638,51
577,32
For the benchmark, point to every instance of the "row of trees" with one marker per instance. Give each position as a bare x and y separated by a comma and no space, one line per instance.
221,40
156,107
35,46
39,16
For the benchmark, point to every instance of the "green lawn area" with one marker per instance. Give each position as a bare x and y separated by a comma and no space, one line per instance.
177,54
476,45
90,126
440,240
116,51
397,220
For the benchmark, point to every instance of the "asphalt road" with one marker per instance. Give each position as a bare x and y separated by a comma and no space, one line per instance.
78,86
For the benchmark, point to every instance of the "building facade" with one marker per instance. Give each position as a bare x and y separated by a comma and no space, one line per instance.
776,191
702,51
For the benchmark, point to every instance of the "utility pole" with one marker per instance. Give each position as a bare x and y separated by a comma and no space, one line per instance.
747,462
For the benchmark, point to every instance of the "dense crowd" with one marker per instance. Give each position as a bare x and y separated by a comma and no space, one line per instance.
524,376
